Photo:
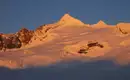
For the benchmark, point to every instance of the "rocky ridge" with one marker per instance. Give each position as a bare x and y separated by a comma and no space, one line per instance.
66,38
27,36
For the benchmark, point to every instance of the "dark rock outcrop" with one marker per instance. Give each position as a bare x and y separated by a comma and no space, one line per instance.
16,40
9,41
89,45
24,36
1,42
95,44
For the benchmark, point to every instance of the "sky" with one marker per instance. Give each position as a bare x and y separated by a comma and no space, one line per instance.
15,14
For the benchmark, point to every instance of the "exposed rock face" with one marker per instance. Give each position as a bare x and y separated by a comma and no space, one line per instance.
25,36
84,48
21,38
9,41
93,44
1,43
124,28
89,46
41,32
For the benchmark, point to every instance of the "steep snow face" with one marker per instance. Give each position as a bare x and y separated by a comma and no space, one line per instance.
68,20
124,27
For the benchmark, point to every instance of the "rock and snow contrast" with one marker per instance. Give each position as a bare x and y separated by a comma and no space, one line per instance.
65,40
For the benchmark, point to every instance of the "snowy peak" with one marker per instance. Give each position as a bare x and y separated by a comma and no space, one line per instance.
66,17
101,23
69,20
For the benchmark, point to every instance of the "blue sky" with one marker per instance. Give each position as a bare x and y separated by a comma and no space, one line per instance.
15,14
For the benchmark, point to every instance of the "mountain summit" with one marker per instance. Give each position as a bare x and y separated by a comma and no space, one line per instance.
101,23
68,20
